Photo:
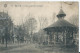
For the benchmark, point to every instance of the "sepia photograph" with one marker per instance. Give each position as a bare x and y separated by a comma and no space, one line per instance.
39,27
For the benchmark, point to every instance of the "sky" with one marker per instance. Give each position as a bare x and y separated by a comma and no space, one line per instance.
19,11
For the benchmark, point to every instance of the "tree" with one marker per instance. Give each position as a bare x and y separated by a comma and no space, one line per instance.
53,17
74,19
31,25
6,27
43,22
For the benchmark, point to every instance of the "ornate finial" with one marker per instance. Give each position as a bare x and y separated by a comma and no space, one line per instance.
61,13
61,5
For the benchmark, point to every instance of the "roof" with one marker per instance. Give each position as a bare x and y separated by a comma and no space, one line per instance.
61,14
62,23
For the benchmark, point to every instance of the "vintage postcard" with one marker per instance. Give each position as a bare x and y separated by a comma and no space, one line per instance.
39,27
